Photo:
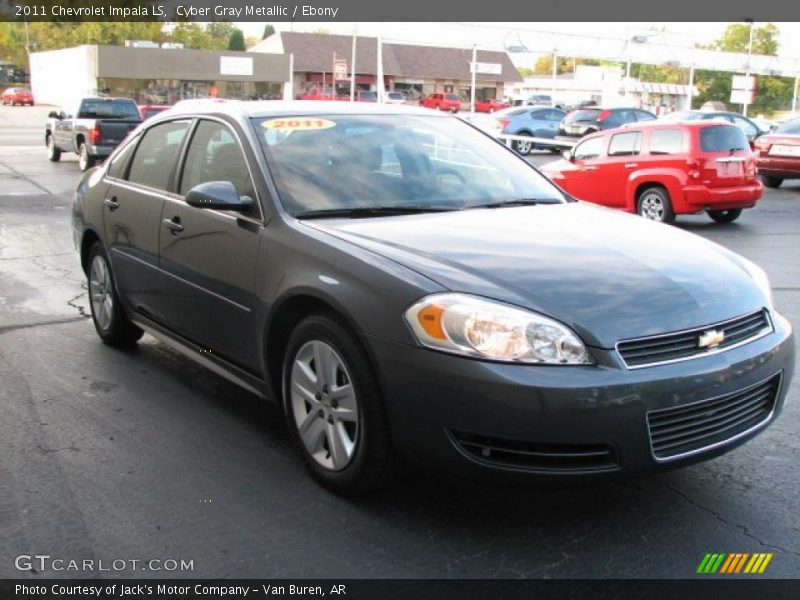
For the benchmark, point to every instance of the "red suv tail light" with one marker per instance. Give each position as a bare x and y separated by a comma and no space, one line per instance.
94,134
603,115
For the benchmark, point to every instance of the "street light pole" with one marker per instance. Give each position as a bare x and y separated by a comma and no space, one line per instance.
474,69
794,97
747,73
353,67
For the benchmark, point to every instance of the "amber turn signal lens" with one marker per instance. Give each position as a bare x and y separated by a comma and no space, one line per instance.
430,318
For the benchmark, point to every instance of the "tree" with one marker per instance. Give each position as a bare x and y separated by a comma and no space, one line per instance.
236,40
564,64
268,31
736,38
771,92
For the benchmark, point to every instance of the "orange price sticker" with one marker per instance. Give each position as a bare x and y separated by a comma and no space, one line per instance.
298,124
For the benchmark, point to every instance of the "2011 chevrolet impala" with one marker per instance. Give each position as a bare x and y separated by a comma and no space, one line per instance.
408,287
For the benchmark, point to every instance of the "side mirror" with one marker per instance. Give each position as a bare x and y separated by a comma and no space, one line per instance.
218,195
55,115
567,154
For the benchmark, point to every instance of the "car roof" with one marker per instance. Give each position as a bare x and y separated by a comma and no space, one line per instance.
278,108
659,124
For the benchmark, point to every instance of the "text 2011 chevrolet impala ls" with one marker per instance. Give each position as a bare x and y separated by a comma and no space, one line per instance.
409,287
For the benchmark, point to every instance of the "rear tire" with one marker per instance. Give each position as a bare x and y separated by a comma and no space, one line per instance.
108,315
725,216
85,162
53,153
523,148
654,204
331,395
772,182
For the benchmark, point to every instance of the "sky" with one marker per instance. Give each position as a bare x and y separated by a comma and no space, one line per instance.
500,35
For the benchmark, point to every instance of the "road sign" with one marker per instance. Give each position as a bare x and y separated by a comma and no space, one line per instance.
487,68
740,82
742,96
340,69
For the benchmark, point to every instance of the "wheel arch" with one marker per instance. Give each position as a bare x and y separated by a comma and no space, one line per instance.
668,182
88,239
284,316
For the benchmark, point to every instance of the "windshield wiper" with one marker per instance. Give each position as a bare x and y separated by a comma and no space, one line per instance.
516,202
370,211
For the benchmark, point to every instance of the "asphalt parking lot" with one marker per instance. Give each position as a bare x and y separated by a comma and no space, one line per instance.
109,455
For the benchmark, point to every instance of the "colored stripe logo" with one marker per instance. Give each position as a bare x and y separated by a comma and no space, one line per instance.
736,562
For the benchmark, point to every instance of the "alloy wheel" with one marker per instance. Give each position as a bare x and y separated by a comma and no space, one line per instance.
652,207
324,405
100,293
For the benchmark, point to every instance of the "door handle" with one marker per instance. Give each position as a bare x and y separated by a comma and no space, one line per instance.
589,168
174,225
111,203
631,165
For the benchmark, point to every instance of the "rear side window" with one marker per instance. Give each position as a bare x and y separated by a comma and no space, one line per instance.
722,138
666,141
625,144
120,162
156,153
591,148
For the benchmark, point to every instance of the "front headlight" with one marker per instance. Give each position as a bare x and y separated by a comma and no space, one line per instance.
472,326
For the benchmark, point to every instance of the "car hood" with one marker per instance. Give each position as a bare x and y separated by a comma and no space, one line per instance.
608,275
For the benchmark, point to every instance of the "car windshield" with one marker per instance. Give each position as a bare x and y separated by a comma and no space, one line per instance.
791,126
582,114
722,138
108,109
393,163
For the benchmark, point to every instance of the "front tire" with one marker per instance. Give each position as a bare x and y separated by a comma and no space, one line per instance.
85,162
772,182
654,204
725,216
53,153
335,409
110,320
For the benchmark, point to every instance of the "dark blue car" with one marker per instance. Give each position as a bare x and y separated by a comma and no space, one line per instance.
534,121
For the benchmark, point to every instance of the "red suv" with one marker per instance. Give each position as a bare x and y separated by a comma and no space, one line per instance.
449,102
19,96
660,169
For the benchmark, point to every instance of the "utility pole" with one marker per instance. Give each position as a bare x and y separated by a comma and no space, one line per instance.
379,77
353,67
794,97
474,70
747,73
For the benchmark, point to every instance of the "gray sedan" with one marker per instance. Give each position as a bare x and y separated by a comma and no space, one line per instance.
407,287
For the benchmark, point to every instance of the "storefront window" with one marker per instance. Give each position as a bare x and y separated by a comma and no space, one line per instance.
170,91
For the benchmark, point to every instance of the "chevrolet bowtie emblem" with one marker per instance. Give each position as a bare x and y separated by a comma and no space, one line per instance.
711,339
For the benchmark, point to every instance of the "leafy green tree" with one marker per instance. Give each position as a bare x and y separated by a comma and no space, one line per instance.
268,31
772,93
236,41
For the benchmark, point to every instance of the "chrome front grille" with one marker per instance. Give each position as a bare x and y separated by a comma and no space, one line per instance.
692,343
701,425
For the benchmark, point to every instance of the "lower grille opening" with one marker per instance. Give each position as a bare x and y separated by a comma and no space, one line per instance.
685,429
536,456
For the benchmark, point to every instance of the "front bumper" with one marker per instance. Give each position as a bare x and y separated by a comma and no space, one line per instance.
435,399
698,197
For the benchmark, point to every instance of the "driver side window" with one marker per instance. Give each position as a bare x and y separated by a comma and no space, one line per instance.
215,155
